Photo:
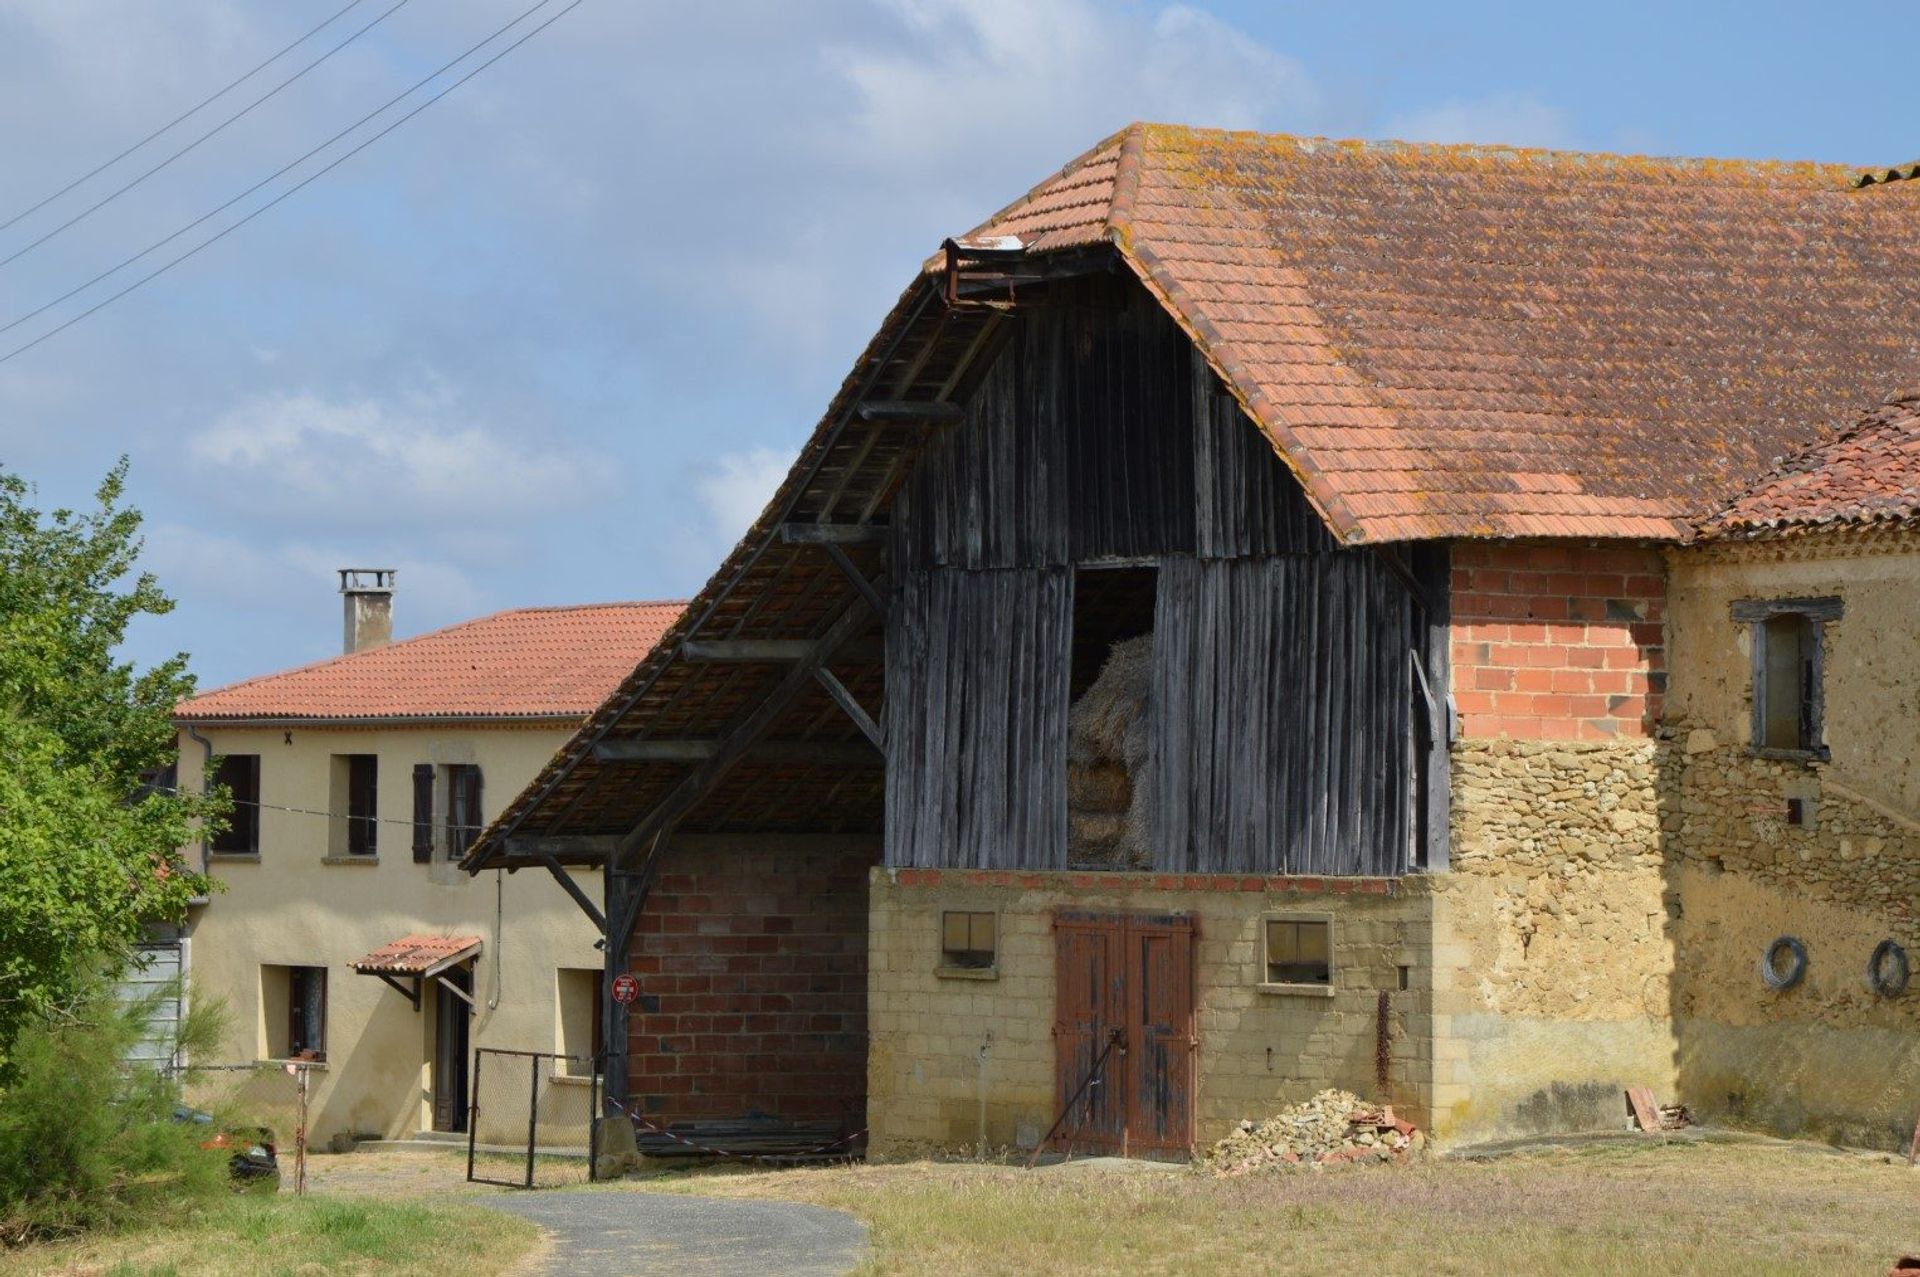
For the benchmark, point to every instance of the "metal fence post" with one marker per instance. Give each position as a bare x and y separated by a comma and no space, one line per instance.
533,1112
473,1114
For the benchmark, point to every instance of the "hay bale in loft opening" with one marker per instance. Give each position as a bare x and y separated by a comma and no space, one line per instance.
1109,783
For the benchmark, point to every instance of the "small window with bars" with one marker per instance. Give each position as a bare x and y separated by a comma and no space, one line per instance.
1299,951
969,940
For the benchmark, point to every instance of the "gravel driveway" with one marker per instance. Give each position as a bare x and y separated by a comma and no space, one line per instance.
615,1234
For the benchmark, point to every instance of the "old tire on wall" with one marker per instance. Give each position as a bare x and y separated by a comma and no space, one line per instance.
1796,968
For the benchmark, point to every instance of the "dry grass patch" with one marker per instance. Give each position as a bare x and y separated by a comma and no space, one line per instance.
1698,1207
261,1236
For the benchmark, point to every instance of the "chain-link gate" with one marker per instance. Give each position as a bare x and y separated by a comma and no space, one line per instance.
530,1120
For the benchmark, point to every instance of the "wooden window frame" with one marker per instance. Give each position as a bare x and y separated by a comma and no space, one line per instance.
1306,988
966,971
297,977
1818,613
363,804
462,834
245,817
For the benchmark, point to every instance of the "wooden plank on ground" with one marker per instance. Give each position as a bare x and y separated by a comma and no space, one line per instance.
1646,1114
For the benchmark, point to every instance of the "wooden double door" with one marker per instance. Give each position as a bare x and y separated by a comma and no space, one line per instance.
1124,986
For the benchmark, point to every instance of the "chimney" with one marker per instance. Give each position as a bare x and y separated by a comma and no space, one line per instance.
368,593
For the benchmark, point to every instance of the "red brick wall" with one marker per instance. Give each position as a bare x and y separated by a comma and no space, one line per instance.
753,986
1558,640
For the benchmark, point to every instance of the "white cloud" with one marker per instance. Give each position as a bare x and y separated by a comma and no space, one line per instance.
1509,119
736,488
414,460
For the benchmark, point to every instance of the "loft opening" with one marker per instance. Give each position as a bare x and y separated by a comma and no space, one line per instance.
1109,722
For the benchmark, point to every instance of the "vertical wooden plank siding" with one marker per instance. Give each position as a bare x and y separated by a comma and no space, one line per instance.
977,719
1282,699
1291,731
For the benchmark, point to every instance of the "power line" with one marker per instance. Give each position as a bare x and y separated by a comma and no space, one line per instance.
190,111
279,172
111,196
304,182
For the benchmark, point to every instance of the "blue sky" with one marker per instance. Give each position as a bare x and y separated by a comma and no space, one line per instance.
556,339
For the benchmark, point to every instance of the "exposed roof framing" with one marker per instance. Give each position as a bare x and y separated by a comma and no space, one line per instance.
755,712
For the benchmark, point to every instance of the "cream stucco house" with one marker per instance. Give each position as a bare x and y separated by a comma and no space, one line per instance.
344,933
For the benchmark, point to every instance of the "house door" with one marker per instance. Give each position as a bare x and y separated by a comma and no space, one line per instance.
1124,986
451,1017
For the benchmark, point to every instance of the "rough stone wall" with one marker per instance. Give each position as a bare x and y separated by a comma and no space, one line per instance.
954,1053
1828,1057
753,975
1552,940
1558,641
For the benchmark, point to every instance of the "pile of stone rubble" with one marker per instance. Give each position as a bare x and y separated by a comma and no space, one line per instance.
1331,1129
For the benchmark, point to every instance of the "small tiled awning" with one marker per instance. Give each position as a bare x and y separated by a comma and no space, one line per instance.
418,959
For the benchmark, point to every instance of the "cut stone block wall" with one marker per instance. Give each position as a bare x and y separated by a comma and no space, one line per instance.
959,1059
752,966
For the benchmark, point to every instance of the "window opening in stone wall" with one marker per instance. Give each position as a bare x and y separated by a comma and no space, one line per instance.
1299,951
1109,729
355,805
968,940
1789,642
240,775
580,1000
463,808
295,1009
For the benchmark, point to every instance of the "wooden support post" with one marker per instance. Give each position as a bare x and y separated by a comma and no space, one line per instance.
580,897
618,891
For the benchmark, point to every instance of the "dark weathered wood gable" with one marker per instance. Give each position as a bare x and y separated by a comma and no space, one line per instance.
1292,731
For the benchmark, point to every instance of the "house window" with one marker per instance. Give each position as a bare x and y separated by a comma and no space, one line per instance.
580,1005
968,940
1789,643
463,808
1300,951
355,805
295,1005
239,775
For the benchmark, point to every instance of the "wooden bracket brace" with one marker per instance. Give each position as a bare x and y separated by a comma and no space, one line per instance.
857,712
580,897
410,993
874,598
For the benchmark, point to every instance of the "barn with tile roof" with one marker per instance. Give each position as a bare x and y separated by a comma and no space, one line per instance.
1222,620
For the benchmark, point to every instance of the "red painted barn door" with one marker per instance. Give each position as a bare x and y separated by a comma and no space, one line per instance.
1134,974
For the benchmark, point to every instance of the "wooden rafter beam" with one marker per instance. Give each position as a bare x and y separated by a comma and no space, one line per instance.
910,412
700,782
697,750
833,534
761,650
572,848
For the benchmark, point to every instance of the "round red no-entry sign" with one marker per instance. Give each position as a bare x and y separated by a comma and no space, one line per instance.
625,989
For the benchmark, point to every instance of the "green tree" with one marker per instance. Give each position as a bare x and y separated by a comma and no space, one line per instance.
88,854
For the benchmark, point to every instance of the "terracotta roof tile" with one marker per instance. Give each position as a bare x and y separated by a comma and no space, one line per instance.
1869,474
1649,332
556,662
416,955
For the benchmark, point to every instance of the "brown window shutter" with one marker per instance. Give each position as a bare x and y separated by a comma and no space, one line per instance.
422,813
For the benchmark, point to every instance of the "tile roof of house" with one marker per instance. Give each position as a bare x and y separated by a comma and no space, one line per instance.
529,663
1481,341
1869,474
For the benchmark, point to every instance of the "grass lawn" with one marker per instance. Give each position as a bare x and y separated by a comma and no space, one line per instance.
263,1236
1696,1207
